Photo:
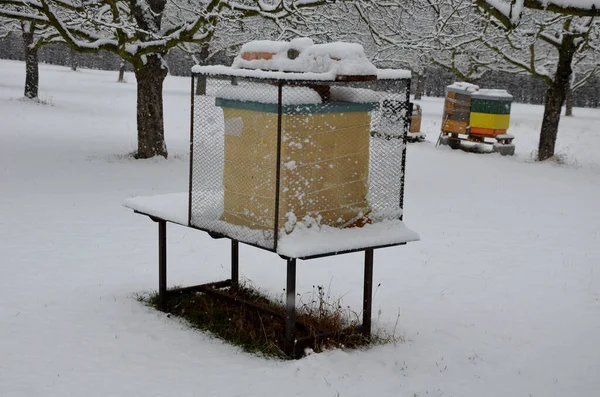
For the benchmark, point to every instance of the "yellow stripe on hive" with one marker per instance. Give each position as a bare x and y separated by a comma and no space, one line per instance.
491,121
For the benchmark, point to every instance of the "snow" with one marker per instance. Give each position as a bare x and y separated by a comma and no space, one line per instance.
358,95
171,207
583,4
338,57
501,297
270,46
505,136
214,70
314,62
264,93
336,50
505,7
393,74
462,87
309,241
492,94
302,242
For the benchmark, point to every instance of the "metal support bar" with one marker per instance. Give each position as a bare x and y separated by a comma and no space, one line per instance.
368,293
191,168
404,143
235,264
278,165
162,262
290,308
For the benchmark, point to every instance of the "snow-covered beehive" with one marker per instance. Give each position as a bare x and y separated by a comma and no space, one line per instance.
310,138
457,107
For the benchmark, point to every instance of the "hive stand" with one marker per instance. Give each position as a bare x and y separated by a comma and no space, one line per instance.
294,348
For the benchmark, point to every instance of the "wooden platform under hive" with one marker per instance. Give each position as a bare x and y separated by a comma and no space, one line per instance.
324,162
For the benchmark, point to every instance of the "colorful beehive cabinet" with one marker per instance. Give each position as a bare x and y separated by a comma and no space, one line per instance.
490,112
457,108
325,160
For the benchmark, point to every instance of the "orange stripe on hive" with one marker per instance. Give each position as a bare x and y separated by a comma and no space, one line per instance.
487,131
482,131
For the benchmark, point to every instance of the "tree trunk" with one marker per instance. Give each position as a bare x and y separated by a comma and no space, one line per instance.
201,79
121,73
74,62
150,122
569,101
555,97
201,84
420,87
31,64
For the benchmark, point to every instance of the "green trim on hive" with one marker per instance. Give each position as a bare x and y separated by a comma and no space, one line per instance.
319,108
489,106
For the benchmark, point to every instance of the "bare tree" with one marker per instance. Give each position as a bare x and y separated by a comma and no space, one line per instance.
546,44
34,36
141,33
585,68
469,37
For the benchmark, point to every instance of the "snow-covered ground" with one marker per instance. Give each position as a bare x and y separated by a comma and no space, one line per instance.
500,298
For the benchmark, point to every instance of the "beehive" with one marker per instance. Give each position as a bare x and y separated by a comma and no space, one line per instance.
490,112
324,162
415,122
457,107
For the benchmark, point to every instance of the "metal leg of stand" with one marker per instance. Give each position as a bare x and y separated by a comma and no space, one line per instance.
162,262
290,308
368,293
235,264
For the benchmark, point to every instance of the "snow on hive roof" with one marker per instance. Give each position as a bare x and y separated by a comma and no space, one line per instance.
308,61
261,74
492,94
343,59
462,87
391,74
268,59
382,74
271,46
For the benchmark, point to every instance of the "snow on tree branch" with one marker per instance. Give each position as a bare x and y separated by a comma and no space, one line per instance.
136,28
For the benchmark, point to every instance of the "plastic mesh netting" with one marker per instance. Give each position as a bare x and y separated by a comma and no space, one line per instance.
340,145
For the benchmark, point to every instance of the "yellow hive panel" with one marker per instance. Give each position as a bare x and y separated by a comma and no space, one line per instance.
490,121
307,124
325,165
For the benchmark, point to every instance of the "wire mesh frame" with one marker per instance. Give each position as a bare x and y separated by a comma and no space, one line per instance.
400,88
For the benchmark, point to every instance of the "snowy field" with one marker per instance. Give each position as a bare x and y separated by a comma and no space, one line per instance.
500,298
